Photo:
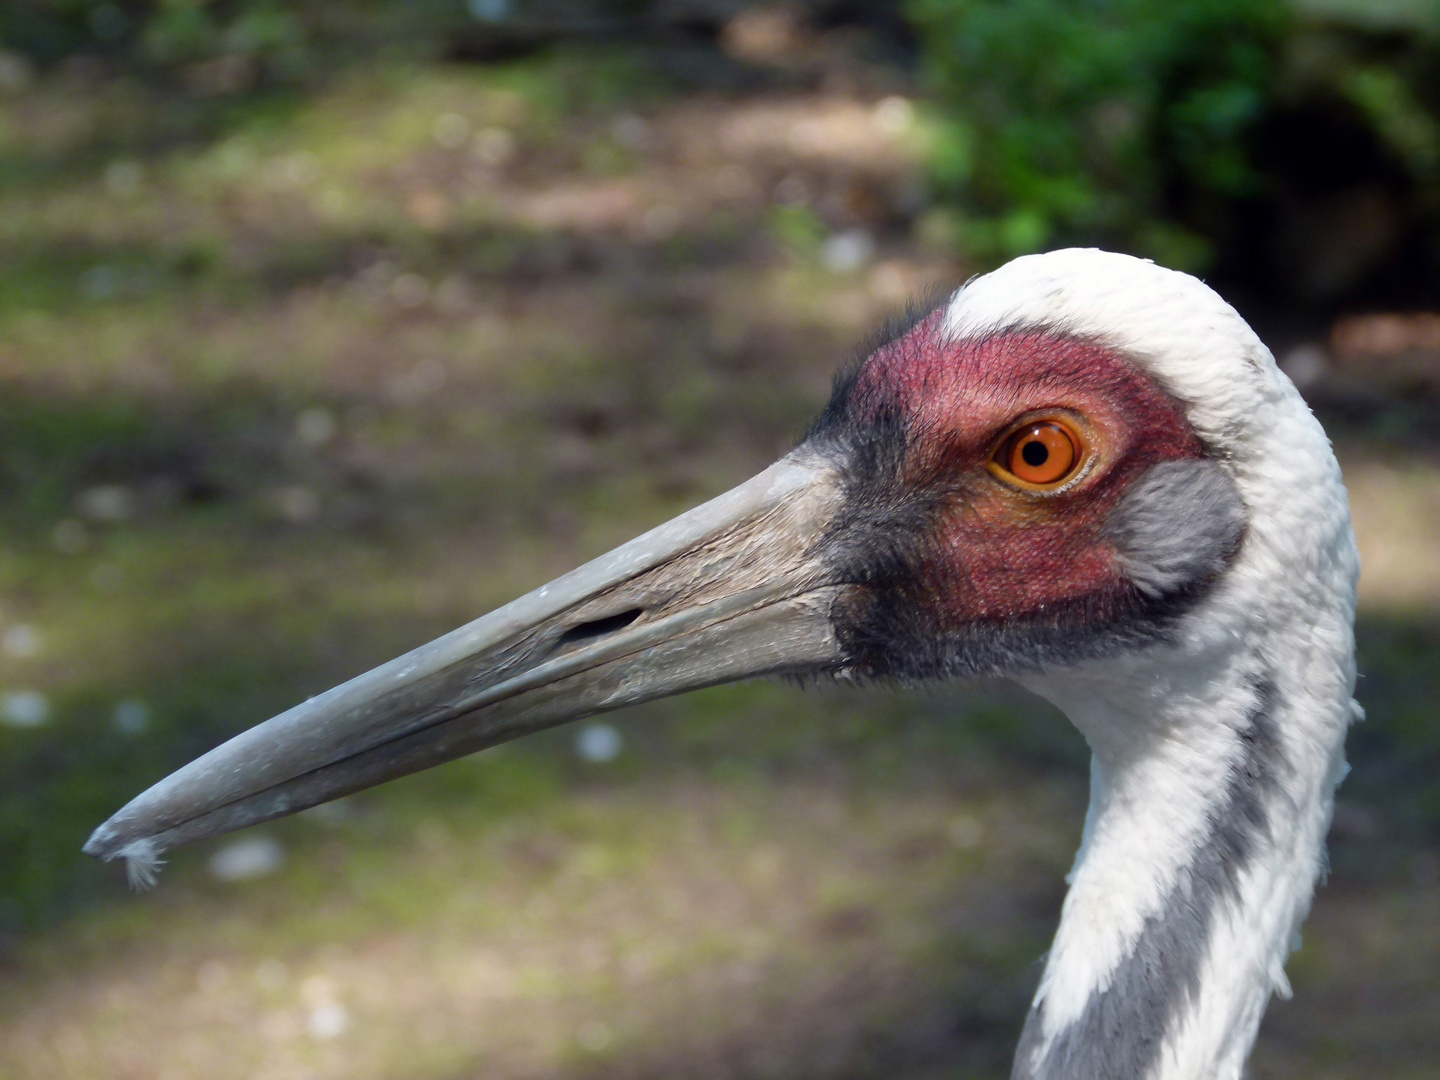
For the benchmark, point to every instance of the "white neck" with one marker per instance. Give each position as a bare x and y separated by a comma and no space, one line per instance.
1213,771
1216,755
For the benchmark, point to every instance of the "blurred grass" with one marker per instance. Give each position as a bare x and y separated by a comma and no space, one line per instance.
294,379
290,384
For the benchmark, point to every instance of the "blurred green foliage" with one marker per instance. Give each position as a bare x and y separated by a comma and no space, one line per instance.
1144,123
219,46
1155,126
161,34
222,47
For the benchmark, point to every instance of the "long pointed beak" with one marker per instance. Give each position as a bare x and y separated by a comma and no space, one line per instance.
732,589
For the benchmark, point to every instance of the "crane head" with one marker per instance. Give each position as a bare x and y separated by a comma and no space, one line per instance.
1012,500
984,494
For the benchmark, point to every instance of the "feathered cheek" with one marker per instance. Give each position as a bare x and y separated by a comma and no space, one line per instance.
1015,574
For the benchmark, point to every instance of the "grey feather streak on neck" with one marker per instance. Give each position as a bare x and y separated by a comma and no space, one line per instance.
1123,1029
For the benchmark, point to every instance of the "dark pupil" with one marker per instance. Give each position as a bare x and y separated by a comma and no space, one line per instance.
1034,452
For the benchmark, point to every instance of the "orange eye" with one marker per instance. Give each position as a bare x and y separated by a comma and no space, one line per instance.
1041,453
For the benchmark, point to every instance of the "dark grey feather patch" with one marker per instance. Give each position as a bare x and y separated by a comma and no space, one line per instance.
1123,1029
1179,525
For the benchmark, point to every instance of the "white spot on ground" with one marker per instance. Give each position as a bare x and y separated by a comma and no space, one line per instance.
16,72
894,115
451,130
315,427
494,146
297,504
106,502
132,717
848,251
328,1021
20,641
966,832
1307,365
598,743
247,859
124,177
488,11
70,537
631,131
24,709
328,1018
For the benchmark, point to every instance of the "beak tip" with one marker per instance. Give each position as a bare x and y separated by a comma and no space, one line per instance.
142,857
101,844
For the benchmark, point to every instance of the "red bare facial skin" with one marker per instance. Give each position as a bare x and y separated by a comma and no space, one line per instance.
1004,551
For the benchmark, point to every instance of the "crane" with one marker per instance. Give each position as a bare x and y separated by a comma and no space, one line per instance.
1081,471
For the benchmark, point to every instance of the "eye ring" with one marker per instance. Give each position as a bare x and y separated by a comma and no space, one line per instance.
1041,454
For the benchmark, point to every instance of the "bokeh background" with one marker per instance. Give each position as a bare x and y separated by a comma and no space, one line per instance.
326,327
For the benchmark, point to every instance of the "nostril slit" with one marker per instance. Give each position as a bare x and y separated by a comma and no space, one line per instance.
588,631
